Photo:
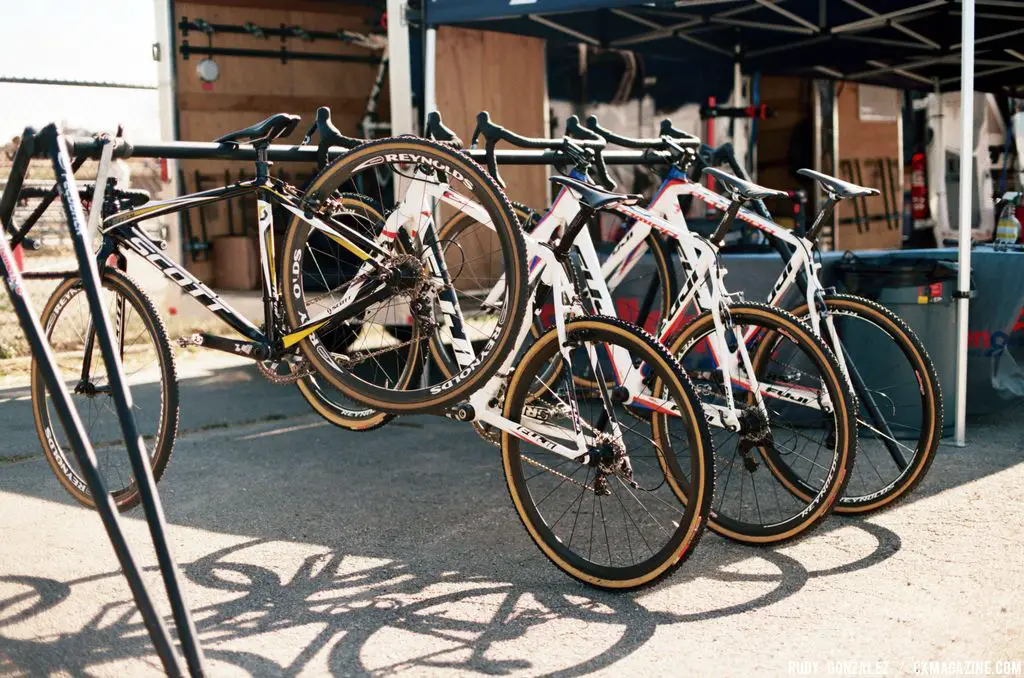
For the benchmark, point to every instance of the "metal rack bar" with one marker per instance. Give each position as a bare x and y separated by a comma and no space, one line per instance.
200,150
209,28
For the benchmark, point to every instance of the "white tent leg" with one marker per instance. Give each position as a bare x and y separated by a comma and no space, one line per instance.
430,72
964,223
399,69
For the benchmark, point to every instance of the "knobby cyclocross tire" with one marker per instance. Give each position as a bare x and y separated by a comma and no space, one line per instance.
773,325
493,200
62,461
692,487
916,356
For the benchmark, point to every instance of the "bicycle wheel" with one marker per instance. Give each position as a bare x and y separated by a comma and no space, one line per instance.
370,370
633,512
149,370
364,215
808,429
473,256
899,421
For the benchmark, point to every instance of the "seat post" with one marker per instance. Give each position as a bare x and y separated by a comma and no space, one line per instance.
823,215
262,164
581,219
726,223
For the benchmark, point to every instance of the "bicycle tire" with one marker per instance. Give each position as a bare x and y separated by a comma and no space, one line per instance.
326,400
493,199
696,498
63,462
777,324
911,348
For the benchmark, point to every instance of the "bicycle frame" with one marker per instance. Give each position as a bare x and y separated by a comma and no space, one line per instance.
704,283
121,231
666,204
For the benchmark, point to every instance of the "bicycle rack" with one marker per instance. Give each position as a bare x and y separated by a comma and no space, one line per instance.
50,143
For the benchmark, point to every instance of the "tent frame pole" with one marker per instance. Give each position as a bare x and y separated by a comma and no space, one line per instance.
399,69
964,224
429,72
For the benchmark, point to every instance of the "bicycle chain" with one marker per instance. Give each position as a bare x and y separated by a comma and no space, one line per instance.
559,474
350,360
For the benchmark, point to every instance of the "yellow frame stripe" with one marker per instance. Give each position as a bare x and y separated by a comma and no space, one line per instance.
295,337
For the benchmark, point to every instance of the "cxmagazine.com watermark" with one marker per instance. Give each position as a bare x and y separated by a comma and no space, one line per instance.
922,667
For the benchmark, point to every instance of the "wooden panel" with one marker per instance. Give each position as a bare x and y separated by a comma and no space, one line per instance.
782,136
865,141
503,74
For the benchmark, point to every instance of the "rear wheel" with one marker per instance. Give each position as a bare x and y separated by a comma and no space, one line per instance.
899,420
630,514
370,371
149,371
366,216
808,430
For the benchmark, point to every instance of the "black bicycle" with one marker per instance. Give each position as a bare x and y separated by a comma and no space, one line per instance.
355,261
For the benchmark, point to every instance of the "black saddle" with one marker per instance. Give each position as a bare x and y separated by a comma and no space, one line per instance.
265,131
837,189
595,197
740,189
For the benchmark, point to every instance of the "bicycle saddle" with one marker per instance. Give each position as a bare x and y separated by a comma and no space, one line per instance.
739,189
595,197
837,188
265,131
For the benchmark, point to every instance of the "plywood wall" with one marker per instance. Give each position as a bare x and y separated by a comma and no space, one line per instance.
785,138
866,141
505,75
250,89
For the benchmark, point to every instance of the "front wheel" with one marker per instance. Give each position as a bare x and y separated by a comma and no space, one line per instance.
149,370
631,512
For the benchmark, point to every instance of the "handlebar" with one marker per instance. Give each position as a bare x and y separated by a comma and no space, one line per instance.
656,144
493,133
581,152
593,141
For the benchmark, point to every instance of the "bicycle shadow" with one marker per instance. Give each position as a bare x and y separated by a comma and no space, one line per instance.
378,618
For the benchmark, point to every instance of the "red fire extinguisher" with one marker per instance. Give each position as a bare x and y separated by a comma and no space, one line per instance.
918,187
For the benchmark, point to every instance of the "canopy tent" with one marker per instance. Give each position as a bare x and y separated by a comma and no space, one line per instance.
900,43
911,44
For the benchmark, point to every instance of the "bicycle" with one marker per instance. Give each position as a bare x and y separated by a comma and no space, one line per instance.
561,445
810,383
292,344
889,468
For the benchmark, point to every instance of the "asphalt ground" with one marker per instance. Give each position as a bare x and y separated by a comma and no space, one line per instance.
306,550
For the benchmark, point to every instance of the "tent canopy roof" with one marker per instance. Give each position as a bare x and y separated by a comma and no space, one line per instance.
902,43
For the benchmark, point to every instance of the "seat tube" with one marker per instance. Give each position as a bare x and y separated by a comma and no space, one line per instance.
268,267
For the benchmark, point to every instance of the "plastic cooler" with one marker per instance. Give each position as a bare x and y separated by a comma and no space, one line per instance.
921,292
